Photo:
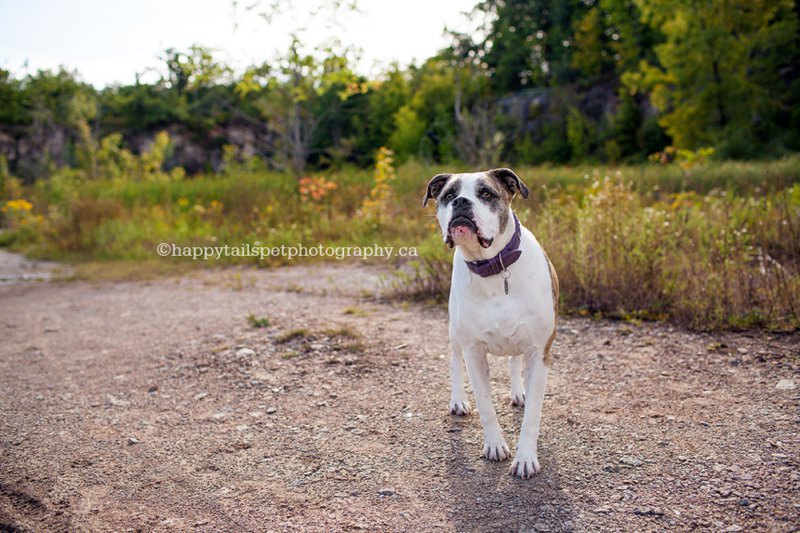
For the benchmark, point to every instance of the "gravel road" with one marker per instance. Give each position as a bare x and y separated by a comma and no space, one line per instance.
157,406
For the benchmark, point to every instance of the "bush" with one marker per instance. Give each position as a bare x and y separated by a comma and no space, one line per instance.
707,244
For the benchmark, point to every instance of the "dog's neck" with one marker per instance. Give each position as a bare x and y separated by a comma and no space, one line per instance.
476,252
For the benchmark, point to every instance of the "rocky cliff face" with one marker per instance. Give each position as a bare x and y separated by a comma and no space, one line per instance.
32,152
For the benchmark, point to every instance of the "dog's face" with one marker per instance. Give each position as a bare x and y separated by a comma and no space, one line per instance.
473,209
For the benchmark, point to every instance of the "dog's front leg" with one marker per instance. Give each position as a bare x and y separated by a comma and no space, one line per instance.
526,460
494,445
458,394
515,373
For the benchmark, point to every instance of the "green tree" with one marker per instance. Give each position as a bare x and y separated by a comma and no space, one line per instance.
718,69
580,133
592,56
14,102
425,125
193,69
296,97
375,124
528,43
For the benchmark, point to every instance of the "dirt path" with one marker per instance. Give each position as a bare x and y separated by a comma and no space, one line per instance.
156,407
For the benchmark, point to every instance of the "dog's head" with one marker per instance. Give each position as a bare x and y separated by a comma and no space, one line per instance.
473,209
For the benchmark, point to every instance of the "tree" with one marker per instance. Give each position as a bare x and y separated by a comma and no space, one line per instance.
288,98
425,125
193,69
14,102
718,70
592,55
479,140
375,122
528,43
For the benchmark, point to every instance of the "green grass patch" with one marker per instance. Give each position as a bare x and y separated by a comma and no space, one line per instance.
257,322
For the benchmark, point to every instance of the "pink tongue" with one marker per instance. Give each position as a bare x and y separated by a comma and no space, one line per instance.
461,231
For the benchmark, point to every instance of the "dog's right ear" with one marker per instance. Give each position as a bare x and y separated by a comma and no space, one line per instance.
435,187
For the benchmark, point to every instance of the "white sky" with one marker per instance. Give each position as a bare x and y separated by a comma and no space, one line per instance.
109,41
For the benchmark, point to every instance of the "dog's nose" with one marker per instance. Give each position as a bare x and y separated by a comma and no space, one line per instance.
461,202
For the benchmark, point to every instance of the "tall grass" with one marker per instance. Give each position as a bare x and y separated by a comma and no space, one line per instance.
716,245
716,260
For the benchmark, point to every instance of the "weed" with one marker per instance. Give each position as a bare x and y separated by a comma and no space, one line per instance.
343,332
711,245
256,322
353,347
292,335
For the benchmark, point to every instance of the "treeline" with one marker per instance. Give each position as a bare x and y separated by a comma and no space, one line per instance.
548,81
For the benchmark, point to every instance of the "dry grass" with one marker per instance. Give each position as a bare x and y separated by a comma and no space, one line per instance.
712,246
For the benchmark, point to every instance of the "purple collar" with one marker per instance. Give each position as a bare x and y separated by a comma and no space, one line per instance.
507,256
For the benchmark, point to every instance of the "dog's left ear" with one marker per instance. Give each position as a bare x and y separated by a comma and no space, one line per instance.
435,187
509,180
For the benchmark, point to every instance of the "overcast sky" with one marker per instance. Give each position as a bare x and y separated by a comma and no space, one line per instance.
109,41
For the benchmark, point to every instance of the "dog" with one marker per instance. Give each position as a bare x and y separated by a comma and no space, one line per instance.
503,301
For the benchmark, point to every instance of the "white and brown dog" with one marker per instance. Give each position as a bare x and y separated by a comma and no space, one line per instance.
503,301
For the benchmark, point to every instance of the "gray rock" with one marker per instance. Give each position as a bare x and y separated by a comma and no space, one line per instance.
649,511
116,401
630,461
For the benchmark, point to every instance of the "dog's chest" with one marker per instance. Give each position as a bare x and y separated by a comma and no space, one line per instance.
483,315
502,325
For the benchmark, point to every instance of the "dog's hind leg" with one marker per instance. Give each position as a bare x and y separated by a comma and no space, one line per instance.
515,372
494,445
458,394
526,460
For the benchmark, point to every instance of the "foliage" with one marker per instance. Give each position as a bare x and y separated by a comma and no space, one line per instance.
257,322
376,204
296,98
709,245
641,75
579,134
717,75
704,260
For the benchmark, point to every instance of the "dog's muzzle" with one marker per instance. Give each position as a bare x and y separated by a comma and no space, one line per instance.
460,223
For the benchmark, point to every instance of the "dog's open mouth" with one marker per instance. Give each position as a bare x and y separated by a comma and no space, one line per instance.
461,227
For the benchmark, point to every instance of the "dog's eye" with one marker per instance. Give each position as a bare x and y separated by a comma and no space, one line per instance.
486,195
447,197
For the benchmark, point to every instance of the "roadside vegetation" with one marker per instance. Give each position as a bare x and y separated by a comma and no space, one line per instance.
707,244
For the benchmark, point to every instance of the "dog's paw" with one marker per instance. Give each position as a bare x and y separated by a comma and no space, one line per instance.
518,399
460,408
496,451
524,466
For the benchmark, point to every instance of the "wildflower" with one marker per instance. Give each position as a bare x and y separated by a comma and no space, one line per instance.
315,188
21,205
381,193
